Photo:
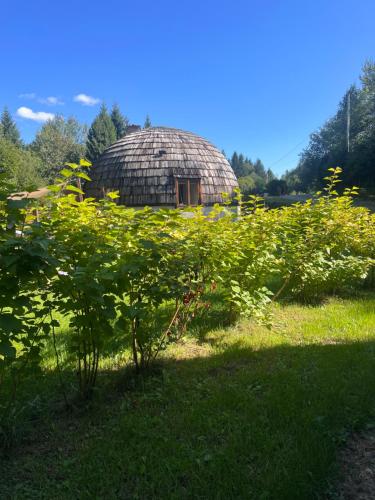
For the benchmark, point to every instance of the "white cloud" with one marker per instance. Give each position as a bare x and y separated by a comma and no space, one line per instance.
30,95
37,116
51,100
86,100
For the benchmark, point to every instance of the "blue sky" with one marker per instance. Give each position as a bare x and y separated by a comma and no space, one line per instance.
256,76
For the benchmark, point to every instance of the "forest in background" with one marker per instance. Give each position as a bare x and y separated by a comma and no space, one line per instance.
60,141
337,144
346,140
254,178
26,167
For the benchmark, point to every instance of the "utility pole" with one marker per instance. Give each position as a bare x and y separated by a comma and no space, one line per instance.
348,121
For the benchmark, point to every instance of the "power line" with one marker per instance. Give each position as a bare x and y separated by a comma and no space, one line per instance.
287,154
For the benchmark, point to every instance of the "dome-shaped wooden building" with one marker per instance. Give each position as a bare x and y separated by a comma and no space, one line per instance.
161,166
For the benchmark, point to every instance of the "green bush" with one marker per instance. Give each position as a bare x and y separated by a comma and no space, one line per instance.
139,277
26,265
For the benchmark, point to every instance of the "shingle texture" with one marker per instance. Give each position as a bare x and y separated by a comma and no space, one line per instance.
144,165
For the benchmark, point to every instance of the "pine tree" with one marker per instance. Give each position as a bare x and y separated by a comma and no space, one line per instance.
102,134
270,176
248,167
9,129
119,121
235,163
241,164
259,168
147,122
252,177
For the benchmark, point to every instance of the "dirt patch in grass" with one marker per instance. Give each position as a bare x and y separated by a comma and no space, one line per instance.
188,349
357,464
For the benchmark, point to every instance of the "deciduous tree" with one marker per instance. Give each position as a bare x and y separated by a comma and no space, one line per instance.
59,141
347,139
21,168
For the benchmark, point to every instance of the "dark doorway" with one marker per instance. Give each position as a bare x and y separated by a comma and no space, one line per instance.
188,192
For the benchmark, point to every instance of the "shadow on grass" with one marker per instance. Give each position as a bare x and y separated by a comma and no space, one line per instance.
240,424
366,293
218,316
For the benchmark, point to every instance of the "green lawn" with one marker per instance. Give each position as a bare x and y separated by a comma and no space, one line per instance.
241,412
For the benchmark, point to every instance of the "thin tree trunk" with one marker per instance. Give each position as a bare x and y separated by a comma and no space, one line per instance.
58,365
134,346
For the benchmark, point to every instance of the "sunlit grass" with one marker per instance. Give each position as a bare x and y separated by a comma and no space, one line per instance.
237,412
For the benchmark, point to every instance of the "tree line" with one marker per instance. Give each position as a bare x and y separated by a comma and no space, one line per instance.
347,139
254,178
59,141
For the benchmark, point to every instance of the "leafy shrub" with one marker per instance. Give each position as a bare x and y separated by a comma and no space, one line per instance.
82,286
140,276
325,244
25,267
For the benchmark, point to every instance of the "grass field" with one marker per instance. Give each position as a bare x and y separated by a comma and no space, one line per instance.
237,412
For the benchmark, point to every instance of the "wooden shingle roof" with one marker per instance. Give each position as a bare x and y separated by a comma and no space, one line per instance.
144,165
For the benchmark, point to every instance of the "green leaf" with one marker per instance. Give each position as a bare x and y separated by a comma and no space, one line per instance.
82,175
66,173
121,323
149,244
113,195
10,323
54,188
18,203
7,350
84,163
70,187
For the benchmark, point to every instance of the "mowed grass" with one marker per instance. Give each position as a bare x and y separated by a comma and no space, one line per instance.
242,412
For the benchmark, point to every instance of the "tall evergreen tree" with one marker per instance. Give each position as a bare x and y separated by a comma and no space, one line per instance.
147,122
102,134
119,121
270,176
8,128
252,177
259,168
235,164
241,161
